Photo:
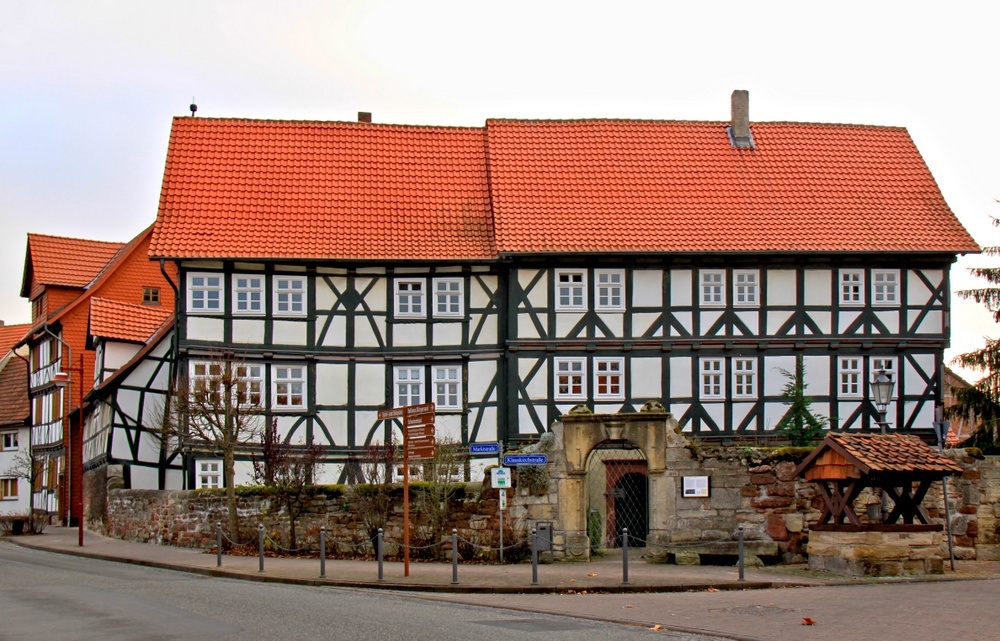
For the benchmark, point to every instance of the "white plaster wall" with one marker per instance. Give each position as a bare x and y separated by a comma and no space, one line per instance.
376,298
889,318
642,322
481,374
331,383
686,319
680,377
780,287
247,330
409,334
645,378
526,328
615,323
117,354
647,288
539,296
488,426
202,328
537,387
774,380
289,332
566,321
488,334
336,424
447,333
365,335
680,287
817,285
336,335
479,298
370,384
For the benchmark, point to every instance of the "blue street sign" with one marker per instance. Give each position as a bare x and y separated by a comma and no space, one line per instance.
526,459
484,448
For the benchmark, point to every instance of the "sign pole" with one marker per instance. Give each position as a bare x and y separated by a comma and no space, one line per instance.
504,492
406,503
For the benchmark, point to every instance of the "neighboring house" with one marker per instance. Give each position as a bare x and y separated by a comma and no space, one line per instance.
961,429
15,422
61,275
512,271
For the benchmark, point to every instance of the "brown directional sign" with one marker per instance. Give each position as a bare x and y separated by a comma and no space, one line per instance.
419,419
395,412
421,453
419,409
417,431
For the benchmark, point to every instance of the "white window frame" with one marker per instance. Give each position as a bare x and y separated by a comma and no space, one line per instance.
571,284
244,293
209,474
569,373
746,287
611,369
851,287
712,378
288,381
293,299
451,293
885,287
8,488
8,441
200,287
712,287
202,371
850,377
412,378
447,386
745,378
201,374
406,298
610,290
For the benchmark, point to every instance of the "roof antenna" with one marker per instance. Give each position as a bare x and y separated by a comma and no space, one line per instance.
193,107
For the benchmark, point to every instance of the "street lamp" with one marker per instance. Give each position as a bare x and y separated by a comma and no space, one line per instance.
881,389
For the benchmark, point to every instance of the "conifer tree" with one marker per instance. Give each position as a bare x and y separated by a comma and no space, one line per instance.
799,424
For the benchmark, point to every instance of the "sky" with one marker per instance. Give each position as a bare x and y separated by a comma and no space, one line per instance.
88,89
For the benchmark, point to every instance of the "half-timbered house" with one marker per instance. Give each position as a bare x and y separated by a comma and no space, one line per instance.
15,424
510,272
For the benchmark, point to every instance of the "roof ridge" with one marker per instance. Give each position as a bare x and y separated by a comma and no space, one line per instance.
353,123
83,240
724,123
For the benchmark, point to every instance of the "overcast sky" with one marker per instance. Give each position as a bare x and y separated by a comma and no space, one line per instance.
88,89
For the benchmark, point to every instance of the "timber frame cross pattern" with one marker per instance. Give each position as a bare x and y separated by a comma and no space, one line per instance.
845,464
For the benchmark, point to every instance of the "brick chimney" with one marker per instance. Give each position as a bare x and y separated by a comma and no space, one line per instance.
365,116
739,127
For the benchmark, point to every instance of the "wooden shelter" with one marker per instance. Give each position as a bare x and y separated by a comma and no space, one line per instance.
900,465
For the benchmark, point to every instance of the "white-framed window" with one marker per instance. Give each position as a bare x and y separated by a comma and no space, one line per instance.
609,379
746,287
206,381
409,383
248,294
204,293
569,379
571,289
289,296
288,384
852,283
885,287
448,298
610,289
713,287
744,378
410,298
8,489
447,386
209,474
207,377
250,384
712,370
850,377
8,441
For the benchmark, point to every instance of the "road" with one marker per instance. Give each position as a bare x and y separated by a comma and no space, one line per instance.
56,597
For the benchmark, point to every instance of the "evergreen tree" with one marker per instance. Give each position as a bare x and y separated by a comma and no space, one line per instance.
799,424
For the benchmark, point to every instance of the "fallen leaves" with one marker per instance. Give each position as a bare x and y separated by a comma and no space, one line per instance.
807,621
656,628
592,574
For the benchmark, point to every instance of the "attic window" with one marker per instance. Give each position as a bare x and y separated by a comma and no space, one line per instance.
150,295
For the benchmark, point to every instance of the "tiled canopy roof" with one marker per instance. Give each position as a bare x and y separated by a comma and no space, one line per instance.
270,189
66,262
891,453
14,405
120,321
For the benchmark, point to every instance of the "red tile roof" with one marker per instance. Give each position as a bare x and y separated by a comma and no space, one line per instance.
67,262
649,186
886,454
120,321
269,189
266,189
14,405
11,335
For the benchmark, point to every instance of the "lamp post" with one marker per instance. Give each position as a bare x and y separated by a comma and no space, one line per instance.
64,380
881,389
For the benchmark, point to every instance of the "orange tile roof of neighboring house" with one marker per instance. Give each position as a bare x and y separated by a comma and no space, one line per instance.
11,335
652,186
274,189
121,321
14,406
68,262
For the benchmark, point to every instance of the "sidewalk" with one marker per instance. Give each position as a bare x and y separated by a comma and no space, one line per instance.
594,577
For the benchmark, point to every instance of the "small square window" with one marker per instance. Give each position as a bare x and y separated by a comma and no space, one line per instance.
289,386
571,290
448,387
289,296
746,287
8,489
609,379
610,289
852,283
409,383
570,373
744,378
150,295
850,377
448,298
885,287
713,288
248,294
209,474
410,298
8,441
711,378
204,293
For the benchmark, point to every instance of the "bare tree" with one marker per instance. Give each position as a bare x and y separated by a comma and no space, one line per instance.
218,410
442,477
372,499
288,474
24,466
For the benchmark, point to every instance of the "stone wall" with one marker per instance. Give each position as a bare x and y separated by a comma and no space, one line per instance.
876,553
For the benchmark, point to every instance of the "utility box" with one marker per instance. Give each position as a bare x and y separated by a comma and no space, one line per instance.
543,538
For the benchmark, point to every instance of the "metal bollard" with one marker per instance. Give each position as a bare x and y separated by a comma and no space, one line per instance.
378,552
218,544
624,556
740,529
260,545
534,556
322,552
454,556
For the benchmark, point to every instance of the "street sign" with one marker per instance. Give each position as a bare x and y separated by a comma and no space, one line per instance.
418,431
395,412
421,453
484,448
421,441
526,459
500,476
420,409
418,419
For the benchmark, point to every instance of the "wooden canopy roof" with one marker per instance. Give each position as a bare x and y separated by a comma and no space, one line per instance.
853,456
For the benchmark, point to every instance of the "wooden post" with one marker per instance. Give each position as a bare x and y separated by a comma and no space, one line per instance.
406,501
